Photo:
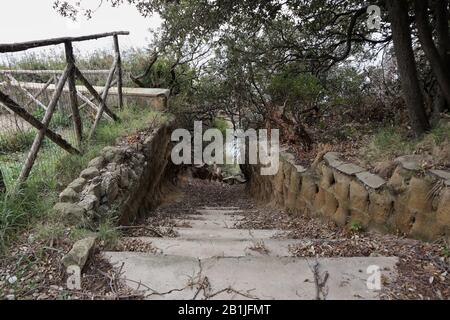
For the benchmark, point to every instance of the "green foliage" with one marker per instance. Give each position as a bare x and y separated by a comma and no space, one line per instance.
356,226
108,234
390,142
304,89
221,124
16,141
345,87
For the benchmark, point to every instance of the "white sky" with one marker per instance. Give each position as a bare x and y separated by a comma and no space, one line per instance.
25,20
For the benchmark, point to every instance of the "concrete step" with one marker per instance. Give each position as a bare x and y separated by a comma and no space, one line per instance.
230,234
220,247
225,212
206,224
249,277
221,208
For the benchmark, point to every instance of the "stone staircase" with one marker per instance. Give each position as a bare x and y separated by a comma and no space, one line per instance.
211,259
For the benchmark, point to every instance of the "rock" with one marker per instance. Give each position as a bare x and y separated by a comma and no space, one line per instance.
332,159
10,297
97,162
412,162
124,177
70,211
441,174
300,168
384,169
79,253
95,189
90,202
350,169
89,173
371,180
112,154
78,184
12,279
132,175
69,195
110,186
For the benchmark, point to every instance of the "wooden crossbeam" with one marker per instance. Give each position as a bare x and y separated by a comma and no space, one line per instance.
76,118
12,106
37,95
95,94
14,47
119,70
51,72
27,93
103,99
37,143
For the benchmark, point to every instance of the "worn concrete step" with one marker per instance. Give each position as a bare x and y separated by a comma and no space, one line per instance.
221,208
225,212
220,247
213,217
231,234
206,223
176,277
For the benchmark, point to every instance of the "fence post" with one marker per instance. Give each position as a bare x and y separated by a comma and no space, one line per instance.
119,70
32,155
2,182
73,92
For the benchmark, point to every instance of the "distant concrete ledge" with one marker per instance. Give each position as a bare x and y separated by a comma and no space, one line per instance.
130,92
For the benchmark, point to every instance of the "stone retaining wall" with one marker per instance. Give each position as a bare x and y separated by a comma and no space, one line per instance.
123,182
414,203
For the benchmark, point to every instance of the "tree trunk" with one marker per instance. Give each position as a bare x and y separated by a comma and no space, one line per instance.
401,36
441,15
437,62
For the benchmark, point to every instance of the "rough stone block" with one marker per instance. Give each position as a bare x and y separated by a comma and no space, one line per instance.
309,188
97,162
341,215
89,173
69,195
418,195
359,197
71,212
78,184
327,179
380,207
350,169
370,180
443,210
331,204
319,200
342,185
79,253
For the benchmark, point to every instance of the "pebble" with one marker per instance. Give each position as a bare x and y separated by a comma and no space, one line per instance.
12,280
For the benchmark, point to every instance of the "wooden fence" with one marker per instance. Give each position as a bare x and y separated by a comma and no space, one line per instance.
63,80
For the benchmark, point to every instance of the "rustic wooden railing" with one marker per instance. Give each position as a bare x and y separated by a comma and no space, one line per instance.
59,78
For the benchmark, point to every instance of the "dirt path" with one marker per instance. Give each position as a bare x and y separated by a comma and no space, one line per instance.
213,241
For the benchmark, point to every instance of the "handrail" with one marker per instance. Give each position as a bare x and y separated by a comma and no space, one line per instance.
21,46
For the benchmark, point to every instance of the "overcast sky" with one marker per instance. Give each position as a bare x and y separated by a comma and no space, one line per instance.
25,20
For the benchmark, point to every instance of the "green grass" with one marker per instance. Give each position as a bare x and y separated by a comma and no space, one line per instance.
53,170
390,142
16,141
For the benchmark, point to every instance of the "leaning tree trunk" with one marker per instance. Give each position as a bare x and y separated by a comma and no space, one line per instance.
438,63
401,36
